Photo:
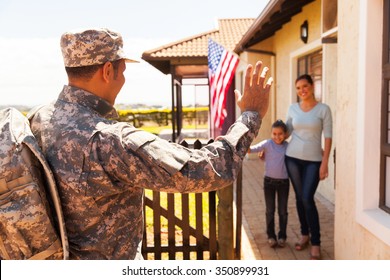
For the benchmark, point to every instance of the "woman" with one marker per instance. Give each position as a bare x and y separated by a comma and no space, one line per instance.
306,161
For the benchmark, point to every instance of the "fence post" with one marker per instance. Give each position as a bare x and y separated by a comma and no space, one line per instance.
225,223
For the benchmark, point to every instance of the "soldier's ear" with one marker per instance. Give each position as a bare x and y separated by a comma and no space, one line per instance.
107,71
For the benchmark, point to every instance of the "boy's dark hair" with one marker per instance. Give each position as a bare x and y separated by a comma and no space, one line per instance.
281,124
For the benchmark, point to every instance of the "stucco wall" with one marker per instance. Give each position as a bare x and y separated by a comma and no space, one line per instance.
357,228
347,243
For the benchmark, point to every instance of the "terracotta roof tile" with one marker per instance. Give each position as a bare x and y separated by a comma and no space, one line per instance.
228,34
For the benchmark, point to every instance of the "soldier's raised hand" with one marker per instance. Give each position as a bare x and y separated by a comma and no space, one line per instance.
256,92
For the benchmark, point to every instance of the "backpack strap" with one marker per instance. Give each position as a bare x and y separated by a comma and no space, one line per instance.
54,195
52,187
48,252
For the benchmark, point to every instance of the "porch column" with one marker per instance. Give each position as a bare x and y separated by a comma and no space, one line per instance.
225,223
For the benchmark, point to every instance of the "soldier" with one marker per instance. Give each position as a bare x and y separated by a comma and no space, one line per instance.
102,166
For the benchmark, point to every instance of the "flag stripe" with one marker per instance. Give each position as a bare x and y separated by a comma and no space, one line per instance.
222,66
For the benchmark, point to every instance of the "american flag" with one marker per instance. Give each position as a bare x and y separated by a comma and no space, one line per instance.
222,66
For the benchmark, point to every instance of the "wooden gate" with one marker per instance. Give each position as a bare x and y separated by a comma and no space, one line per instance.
184,226
184,235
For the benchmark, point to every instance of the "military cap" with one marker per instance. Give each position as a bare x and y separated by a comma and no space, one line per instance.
92,47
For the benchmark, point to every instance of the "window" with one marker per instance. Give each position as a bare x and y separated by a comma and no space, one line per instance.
384,197
312,64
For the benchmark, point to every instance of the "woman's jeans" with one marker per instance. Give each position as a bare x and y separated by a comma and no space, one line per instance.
305,176
272,188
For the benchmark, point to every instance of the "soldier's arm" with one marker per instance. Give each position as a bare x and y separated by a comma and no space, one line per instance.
150,162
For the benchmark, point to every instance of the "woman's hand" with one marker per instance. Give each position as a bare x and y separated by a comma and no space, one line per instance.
323,170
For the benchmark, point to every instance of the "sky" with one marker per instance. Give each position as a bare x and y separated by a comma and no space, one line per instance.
32,71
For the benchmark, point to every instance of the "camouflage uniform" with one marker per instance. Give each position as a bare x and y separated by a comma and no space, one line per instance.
102,166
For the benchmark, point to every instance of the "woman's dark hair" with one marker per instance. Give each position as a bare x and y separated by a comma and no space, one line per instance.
281,124
306,77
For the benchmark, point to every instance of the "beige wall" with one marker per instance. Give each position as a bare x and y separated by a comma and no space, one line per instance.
347,243
362,231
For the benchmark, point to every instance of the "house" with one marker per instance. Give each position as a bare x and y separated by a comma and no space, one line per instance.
344,45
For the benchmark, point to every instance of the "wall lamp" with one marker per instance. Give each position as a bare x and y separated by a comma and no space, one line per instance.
304,31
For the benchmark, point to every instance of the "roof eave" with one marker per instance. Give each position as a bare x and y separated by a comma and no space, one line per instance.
271,19
270,8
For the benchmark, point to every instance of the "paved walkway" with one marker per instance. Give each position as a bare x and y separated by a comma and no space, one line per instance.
254,237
